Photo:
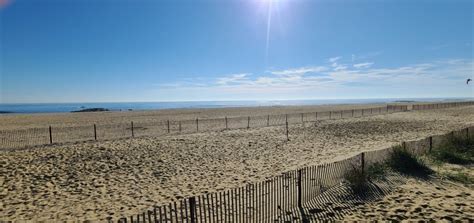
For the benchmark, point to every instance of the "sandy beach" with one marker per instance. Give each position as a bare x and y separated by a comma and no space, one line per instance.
24,121
93,180
436,199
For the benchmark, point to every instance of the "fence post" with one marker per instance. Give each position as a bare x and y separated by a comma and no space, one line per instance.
226,122
197,124
371,110
50,136
287,138
341,114
168,124
268,120
352,113
316,114
299,190
248,122
133,134
362,162
302,121
149,215
179,126
431,143
95,133
330,114
192,209
286,117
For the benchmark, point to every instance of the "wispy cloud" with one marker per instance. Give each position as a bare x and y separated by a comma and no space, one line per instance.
340,67
299,71
326,79
363,65
334,59
233,79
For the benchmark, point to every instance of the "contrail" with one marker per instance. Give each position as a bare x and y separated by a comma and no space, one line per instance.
269,23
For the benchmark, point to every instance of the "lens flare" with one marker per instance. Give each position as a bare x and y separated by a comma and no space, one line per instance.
4,3
269,23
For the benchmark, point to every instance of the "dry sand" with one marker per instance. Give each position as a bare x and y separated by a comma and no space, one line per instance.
22,121
94,180
437,199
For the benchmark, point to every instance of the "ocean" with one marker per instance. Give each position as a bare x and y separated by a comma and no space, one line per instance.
6,109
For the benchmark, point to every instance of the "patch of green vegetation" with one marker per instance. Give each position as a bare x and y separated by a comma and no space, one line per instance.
455,150
402,161
358,179
376,171
460,177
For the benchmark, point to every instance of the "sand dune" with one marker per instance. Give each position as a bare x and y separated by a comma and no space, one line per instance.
94,180
427,200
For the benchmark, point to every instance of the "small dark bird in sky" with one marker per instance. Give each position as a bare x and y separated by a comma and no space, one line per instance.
469,79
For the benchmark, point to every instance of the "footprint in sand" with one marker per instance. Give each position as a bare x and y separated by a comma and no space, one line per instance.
449,218
462,195
417,210
460,204
400,210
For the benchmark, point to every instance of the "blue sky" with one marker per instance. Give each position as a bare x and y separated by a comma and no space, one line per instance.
179,50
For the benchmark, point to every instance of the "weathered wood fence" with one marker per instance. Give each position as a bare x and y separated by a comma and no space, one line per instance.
441,105
42,136
21,138
280,198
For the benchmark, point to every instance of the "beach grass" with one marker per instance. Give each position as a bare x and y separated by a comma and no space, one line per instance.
455,150
403,161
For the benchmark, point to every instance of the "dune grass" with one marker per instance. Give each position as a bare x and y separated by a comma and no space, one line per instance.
455,150
402,161
460,177
358,179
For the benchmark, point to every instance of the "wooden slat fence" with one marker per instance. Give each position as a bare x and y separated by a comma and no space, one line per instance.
11,139
281,198
21,138
441,105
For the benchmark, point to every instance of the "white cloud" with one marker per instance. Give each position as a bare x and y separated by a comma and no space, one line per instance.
322,82
233,79
299,71
340,67
334,59
363,65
